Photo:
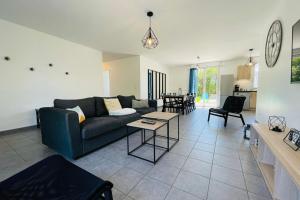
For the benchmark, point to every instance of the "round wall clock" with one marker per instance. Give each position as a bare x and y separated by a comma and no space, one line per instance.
273,43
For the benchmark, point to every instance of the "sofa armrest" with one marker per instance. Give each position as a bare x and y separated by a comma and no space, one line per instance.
152,104
61,131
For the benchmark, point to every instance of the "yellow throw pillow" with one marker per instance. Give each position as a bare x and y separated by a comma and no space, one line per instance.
112,104
81,116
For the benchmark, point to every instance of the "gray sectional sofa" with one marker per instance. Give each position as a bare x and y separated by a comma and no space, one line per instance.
62,132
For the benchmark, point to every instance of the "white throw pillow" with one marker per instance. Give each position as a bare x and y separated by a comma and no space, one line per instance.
81,116
124,111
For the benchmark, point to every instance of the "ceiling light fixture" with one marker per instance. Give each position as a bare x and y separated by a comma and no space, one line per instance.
250,57
150,40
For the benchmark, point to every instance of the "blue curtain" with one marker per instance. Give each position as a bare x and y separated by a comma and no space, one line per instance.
193,83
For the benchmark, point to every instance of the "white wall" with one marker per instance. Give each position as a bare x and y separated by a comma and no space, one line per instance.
124,76
145,64
22,90
106,83
276,95
179,78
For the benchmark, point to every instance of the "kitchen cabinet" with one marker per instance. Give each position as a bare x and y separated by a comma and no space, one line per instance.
250,102
253,100
244,72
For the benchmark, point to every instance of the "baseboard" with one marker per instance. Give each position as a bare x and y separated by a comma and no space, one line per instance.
13,131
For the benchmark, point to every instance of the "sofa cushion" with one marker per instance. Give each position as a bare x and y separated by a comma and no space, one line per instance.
87,105
100,107
96,126
126,101
112,104
144,111
125,119
140,104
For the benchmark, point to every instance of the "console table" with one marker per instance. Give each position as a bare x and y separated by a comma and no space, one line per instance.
279,164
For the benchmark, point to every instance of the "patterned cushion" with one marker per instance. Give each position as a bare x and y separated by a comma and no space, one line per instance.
81,116
112,104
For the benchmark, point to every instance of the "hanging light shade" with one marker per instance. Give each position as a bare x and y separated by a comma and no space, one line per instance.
150,40
250,57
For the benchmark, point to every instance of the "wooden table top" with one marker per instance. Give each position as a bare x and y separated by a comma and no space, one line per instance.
160,115
151,127
287,157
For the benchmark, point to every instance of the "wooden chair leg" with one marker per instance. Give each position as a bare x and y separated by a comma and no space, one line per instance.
242,118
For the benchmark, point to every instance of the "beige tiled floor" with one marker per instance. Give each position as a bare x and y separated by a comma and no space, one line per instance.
209,162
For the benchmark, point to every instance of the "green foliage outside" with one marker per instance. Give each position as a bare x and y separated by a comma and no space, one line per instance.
211,82
296,69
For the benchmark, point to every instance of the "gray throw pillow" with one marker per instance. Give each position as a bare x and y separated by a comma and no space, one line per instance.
140,104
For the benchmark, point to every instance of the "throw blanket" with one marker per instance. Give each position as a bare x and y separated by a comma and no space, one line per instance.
124,111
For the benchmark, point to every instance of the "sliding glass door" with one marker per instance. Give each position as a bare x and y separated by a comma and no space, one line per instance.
207,87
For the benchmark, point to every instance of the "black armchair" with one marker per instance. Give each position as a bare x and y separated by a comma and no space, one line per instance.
233,107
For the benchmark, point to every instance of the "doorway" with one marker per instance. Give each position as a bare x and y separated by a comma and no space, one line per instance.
207,87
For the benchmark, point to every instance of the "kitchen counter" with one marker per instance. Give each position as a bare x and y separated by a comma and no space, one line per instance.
250,102
244,91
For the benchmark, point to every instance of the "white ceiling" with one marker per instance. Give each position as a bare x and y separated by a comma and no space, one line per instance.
212,29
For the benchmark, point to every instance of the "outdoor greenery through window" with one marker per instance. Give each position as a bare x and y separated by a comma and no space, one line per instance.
296,69
207,86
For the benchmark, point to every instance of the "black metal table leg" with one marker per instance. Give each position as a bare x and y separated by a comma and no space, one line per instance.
178,128
154,134
127,140
142,140
168,135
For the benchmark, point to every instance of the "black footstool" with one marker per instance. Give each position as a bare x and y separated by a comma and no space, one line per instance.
55,178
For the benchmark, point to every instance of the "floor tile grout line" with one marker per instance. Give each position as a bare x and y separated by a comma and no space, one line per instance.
181,169
186,157
15,151
244,178
211,169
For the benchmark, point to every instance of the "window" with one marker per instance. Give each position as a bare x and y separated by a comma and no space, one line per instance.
156,84
255,77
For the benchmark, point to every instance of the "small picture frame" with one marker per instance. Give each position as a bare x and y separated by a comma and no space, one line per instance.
293,139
